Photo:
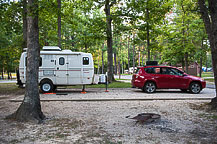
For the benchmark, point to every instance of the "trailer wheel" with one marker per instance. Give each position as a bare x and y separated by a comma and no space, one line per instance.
46,86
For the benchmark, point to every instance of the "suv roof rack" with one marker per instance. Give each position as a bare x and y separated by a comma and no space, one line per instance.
151,63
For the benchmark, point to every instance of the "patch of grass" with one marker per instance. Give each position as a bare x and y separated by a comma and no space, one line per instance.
213,117
10,88
126,74
111,85
209,80
122,79
207,74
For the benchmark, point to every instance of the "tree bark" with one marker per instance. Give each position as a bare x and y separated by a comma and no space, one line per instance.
109,41
59,22
30,108
209,16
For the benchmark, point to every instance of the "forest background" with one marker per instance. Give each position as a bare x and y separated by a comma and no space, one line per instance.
169,31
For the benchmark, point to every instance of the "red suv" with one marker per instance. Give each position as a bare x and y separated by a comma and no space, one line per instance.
150,78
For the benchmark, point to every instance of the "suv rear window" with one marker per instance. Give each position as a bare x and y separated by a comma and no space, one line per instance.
151,70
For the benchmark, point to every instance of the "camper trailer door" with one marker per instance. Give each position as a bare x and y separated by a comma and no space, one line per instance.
74,69
61,69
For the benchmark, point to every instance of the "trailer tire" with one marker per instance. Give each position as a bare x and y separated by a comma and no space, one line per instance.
46,86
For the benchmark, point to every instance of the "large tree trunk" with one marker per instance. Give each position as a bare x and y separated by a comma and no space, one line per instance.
24,24
209,16
109,41
30,109
59,22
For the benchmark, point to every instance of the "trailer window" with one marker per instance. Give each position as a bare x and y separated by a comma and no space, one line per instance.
85,60
40,62
61,61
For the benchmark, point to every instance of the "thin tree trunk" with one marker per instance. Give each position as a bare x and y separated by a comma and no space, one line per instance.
24,24
201,59
128,55
148,37
186,62
109,41
98,67
119,68
59,22
30,108
2,72
133,54
102,59
183,64
115,61
139,59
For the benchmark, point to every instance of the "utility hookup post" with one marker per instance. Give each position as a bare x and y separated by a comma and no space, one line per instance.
106,82
83,90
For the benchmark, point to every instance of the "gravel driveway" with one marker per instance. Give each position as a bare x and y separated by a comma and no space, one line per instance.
182,121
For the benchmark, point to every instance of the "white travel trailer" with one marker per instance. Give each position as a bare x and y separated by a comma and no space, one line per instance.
61,68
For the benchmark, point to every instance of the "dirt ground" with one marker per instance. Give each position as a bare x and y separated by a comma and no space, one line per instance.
94,122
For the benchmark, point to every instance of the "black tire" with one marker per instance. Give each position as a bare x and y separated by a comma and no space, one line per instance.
184,90
149,87
195,87
46,86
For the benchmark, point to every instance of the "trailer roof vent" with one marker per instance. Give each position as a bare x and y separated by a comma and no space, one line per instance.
24,49
51,48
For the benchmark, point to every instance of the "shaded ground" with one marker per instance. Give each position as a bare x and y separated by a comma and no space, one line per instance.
105,122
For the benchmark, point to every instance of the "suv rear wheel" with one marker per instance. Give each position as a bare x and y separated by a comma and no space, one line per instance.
195,87
149,87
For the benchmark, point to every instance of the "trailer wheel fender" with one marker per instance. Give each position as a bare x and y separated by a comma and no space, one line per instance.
46,86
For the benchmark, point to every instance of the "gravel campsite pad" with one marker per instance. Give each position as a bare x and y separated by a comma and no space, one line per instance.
68,121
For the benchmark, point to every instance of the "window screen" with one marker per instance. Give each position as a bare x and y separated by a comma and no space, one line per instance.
40,62
85,60
61,61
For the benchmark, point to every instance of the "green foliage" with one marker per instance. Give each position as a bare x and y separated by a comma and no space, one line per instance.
10,35
175,28
184,33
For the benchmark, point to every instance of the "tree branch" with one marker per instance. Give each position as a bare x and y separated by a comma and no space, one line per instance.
205,16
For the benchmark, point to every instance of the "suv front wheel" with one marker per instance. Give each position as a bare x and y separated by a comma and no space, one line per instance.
149,87
195,88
